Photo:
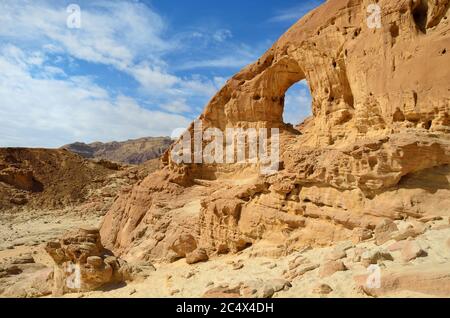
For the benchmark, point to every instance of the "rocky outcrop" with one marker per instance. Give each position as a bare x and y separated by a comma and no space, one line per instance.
377,148
429,280
48,179
82,264
22,277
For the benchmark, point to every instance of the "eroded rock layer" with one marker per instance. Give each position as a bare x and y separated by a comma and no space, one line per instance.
377,148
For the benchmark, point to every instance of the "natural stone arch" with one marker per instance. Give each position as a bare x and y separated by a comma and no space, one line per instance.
256,95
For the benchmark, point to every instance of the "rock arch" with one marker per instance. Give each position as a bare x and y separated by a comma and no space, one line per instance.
381,109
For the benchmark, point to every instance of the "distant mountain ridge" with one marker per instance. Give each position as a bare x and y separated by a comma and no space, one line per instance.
129,152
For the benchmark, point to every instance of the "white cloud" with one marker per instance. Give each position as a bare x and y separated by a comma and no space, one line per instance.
177,106
113,33
50,112
222,35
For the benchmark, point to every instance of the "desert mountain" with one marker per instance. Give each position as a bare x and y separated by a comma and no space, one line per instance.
129,152
48,179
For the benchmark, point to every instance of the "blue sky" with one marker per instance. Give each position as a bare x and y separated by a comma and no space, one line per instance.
132,69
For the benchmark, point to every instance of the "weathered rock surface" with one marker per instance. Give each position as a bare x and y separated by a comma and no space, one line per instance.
323,289
376,150
412,250
330,268
197,256
249,289
430,280
50,179
23,278
82,264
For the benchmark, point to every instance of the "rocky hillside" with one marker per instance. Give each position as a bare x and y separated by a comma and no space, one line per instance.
46,179
129,152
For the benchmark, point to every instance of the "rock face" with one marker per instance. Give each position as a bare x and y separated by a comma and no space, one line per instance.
420,279
377,148
129,152
46,179
23,278
82,264
49,179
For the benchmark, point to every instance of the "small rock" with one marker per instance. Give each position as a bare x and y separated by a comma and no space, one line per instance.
397,246
330,268
197,256
411,251
13,270
256,289
296,262
279,284
323,289
23,259
345,246
95,261
300,271
184,245
336,255
190,275
268,292
238,266
174,292
412,230
355,254
132,292
375,256
223,292
361,235
384,230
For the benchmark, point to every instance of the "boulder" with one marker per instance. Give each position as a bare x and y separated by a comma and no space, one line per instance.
184,245
384,231
323,289
412,250
428,280
25,280
375,256
197,256
330,268
82,264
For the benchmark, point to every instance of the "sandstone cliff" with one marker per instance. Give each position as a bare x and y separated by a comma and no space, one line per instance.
377,148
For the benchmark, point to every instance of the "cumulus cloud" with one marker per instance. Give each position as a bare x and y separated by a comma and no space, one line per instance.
50,112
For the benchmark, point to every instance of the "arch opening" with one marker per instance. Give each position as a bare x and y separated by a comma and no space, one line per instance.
297,103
